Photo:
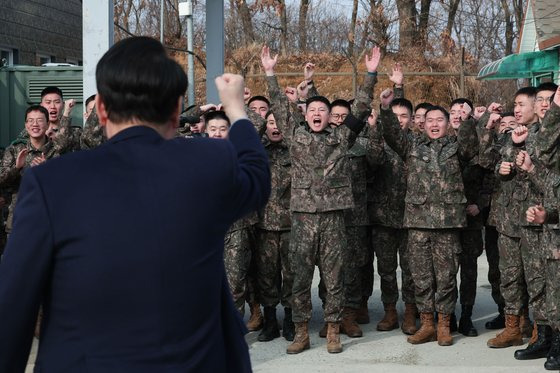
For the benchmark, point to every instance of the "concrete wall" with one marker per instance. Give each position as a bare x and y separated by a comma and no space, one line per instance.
46,27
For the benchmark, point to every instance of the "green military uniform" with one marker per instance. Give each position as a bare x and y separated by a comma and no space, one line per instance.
93,133
434,209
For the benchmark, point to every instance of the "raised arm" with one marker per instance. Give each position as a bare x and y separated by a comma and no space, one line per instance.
93,134
547,140
362,103
375,154
397,77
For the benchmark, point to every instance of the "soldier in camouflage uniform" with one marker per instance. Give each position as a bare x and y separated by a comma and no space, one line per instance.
435,206
320,192
93,133
386,210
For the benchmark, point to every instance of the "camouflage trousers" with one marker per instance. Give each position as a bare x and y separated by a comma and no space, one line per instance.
317,238
534,265
237,259
387,244
471,248
512,275
354,258
553,292
274,276
434,262
493,258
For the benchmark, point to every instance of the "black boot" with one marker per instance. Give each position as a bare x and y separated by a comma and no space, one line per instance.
553,357
498,322
453,323
540,348
288,327
270,328
466,326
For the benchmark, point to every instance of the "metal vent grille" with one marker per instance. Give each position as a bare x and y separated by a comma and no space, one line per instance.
71,87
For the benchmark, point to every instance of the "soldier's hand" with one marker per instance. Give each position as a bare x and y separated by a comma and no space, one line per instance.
493,121
68,106
556,99
246,94
479,112
308,71
466,110
536,214
473,210
397,76
519,134
267,61
524,162
20,159
303,90
386,97
505,168
291,93
372,61
208,107
372,119
230,88
38,160
495,108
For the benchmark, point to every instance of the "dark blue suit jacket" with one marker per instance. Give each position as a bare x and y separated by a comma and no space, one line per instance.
123,247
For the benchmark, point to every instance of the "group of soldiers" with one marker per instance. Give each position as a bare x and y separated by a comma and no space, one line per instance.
424,187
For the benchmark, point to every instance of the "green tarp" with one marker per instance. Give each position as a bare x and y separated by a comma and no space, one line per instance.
524,65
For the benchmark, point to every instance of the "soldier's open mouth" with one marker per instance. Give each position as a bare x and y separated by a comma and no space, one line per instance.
275,133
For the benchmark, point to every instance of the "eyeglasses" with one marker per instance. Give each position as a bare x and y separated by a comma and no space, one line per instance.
38,121
339,116
541,100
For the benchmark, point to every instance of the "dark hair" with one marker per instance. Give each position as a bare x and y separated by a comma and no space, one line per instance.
137,80
507,114
217,114
258,98
461,100
37,108
403,102
322,99
547,86
423,105
51,89
530,92
342,103
90,99
438,108
268,113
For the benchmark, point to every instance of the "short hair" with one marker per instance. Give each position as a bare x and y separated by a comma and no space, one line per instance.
322,99
547,86
460,101
507,114
51,89
258,98
423,105
342,103
37,108
216,114
137,80
530,92
403,102
90,99
438,108
268,113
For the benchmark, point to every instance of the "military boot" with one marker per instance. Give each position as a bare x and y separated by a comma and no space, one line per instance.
288,327
427,331
498,322
510,336
362,316
391,320
539,348
301,339
466,326
256,319
333,338
444,337
553,357
349,326
409,323
526,325
270,328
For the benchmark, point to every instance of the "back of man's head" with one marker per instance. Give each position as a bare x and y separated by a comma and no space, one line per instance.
136,80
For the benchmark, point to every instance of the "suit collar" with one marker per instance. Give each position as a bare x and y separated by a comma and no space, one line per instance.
134,131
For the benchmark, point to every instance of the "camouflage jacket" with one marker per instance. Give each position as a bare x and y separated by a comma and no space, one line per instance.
93,133
387,190
276,214
320,175
358,216
525,192
547,140
248,221
435,195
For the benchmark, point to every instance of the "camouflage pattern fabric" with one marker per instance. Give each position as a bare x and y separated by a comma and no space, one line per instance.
237,258
93,134
512,275
272,259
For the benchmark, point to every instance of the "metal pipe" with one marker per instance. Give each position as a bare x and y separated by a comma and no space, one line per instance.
190,54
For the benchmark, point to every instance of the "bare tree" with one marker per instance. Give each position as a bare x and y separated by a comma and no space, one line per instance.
407,23
509,27
245,15
453,6
352,33
302,24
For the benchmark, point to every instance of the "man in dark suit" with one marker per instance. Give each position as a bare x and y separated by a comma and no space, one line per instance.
127,266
